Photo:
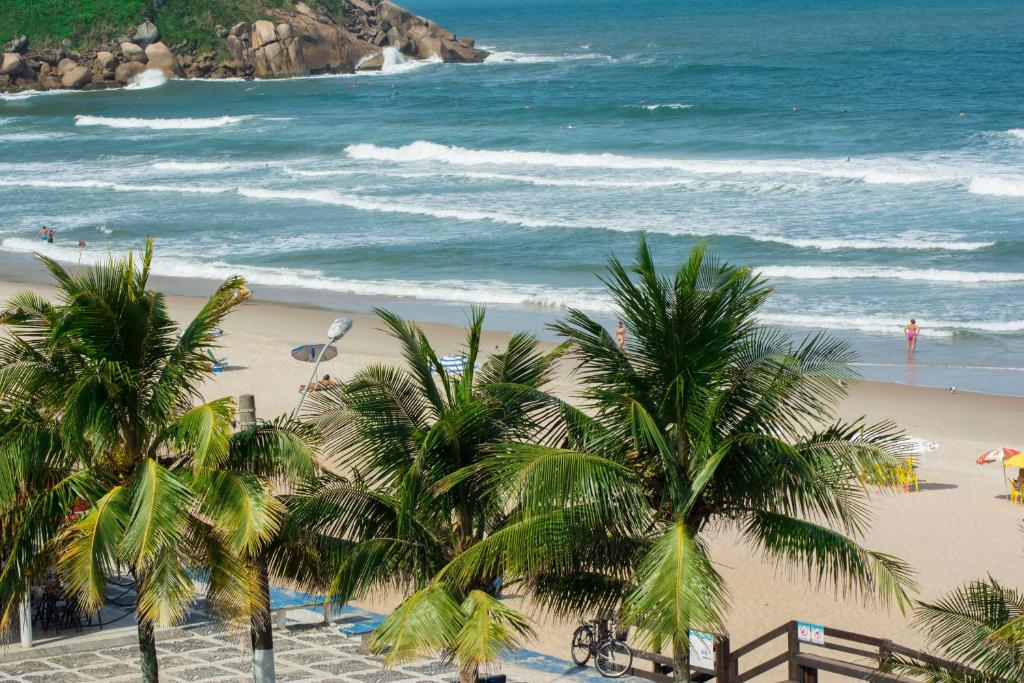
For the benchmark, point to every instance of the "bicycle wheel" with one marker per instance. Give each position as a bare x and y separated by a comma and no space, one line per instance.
582,643
613,658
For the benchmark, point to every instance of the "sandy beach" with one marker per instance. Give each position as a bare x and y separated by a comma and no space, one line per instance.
958,527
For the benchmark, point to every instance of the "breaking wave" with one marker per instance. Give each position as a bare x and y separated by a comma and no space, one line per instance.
998,187
158,124
368,204
892,273
150,78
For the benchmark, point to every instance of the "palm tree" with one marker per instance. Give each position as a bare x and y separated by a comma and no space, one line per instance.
705,420
102,411
979,626
401,435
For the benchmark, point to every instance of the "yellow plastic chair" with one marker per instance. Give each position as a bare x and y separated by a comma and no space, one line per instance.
910,476
1016,497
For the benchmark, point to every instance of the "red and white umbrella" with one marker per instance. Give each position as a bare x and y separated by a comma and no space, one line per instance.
996,455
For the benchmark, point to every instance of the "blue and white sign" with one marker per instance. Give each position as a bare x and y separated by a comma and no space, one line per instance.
810,633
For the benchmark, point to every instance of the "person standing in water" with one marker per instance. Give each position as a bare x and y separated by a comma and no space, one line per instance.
620,336
912,333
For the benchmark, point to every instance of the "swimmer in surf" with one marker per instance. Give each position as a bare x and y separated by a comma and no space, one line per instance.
912,331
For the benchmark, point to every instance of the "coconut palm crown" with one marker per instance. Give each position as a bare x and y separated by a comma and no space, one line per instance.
704,421
399,516
110,460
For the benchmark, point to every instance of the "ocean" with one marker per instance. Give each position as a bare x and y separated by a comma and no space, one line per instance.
822,143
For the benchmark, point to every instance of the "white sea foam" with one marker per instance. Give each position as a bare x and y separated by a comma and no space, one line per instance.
150,78
880,173
1016,133
865,243
26,94
392,206
463,291
512,57
892,273
158,124
107,185
655,107
32,137
191,166
891,325
998,187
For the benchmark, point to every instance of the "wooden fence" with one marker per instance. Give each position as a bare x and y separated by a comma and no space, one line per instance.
807,650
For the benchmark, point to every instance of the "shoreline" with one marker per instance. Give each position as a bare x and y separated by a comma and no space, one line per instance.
877,359
958,512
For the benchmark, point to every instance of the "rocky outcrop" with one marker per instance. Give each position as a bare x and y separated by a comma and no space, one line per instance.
159,56
146,34
133,53
303,39
76,77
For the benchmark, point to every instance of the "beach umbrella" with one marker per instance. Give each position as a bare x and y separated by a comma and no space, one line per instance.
308,353
996,455
1014,461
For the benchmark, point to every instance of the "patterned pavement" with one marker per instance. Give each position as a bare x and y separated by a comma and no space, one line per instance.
211,653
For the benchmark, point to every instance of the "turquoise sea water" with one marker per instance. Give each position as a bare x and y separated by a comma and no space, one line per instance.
431,186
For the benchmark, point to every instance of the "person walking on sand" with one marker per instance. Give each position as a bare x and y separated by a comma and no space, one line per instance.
620,336
912,332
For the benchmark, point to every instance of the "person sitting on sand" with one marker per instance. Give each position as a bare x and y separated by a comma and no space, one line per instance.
325,383
912,333
1020,478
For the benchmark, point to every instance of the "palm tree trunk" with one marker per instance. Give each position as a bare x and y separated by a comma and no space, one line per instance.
681,659
468,672
147,651
262,634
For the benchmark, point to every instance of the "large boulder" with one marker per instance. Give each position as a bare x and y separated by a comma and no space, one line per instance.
51,56
65,65
236,48
106,60
18,45
374,63
263,33
124,73
161,57
13,65
76,77
146,34
133,53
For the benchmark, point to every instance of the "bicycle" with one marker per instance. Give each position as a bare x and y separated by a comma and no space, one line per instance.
612,657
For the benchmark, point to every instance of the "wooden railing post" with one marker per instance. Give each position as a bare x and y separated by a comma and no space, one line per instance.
722,659
793,649
884,655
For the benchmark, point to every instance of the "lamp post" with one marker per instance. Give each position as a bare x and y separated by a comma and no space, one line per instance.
336,331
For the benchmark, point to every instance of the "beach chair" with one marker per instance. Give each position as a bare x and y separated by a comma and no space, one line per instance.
907,476
218,363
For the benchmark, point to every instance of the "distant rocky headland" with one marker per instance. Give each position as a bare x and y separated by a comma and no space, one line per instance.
283,40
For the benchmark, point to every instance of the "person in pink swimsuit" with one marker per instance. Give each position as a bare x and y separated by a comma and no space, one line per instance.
912,334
